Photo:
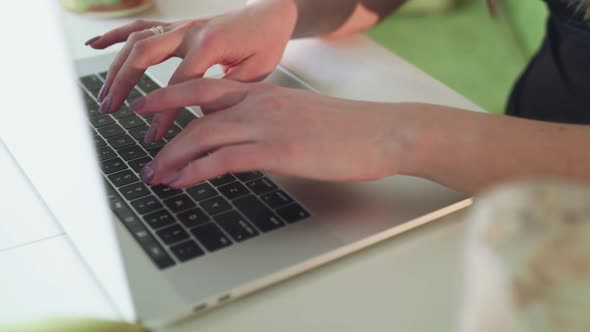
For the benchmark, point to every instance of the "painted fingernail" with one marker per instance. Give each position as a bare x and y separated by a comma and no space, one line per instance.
91,40
150,135
105,105
147,172
103,92
137,104
171,179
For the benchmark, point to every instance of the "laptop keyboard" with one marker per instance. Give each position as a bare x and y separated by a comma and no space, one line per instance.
172,225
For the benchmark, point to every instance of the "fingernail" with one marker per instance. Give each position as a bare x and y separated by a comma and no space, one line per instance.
103,91
147,172
171,179
91,40
137,104
150,135
105,105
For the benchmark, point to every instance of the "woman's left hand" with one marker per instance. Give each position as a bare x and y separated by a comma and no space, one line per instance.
258,126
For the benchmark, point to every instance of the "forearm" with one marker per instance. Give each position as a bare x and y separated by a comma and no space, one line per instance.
472,151
333,17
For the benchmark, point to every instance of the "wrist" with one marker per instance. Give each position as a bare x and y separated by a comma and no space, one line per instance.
285,11
413,138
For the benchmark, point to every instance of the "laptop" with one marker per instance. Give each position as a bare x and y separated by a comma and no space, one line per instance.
162,255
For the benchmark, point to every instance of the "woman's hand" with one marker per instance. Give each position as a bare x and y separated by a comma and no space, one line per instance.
248,44
258,126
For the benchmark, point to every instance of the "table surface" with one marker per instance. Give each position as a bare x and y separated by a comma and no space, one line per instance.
408,283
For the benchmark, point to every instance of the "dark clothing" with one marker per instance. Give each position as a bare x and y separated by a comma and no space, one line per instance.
556,84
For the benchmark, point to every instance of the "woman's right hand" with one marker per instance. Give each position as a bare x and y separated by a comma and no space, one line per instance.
248,44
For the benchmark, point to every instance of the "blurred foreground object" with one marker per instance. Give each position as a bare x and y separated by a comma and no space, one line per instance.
74,325
107,8
528,260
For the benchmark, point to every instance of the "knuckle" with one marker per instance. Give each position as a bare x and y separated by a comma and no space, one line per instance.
140,47
208,37
134,37
138,22
141,56
270,102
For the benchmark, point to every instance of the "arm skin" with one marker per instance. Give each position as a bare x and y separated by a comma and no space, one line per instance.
472,151
334,18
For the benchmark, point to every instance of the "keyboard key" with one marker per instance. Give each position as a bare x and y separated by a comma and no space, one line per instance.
179,203
172,234
157,254
151,146
133,94
112,165
98,141
147,85
132,152
293,213
105,152
202,191
134,191
124,213
221,180
165,191
139,231
154,152
187,250
211,237
123,112
147,117
131,122
260,215
233,190
121,141
261,186
91,104
93,83
192,218
236,226
249,176
111,130
147,204
92,110
138,132
138,164
184,117
215,205
172,132
101,120
123,178
159,219
276,199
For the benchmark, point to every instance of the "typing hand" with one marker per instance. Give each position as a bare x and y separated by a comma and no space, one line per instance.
259,126
248,44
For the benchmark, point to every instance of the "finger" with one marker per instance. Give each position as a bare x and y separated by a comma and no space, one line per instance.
144,53
214,94
250,70
194,65
121,34
234,158
202,136
120,59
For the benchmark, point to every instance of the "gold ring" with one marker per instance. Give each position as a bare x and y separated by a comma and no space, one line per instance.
157,30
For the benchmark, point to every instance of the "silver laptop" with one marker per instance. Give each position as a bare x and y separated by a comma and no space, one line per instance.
163,255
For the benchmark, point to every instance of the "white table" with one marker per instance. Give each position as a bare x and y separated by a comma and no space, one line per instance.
409,283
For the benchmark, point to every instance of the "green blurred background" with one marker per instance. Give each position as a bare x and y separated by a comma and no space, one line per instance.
460,44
